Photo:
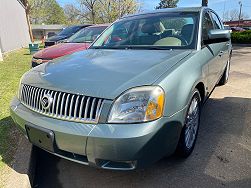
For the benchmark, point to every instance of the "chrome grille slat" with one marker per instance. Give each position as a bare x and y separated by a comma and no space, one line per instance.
64,106
86,108
24,93
57,108
98,108
54,102
61,108
76,108
81,107
72,98
38,99
32,96
92,106
50,109
29,95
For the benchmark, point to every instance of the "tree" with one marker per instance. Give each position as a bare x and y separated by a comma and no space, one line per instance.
27,12
72,13
167,4
46,11
90,5
100,11
111,10
234,15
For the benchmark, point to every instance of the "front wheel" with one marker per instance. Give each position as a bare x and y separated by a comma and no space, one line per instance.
190,129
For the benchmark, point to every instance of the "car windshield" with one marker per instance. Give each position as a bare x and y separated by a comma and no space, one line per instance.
86,35
151,31
69,30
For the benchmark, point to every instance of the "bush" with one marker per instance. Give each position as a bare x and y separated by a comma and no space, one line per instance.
243,37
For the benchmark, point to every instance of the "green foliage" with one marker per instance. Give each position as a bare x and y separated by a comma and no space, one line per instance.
46,11
167,4
243,37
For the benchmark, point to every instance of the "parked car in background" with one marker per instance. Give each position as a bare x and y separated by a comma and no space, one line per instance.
247,28
63,35
237,29
227,27
79,41
134,96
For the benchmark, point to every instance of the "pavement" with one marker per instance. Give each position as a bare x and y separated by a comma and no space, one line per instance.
221,158
20,174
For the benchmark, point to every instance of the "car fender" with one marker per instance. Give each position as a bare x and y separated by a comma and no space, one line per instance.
180,83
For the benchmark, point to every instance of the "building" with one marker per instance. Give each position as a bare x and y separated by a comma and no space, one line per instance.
14,31
44,31
242,23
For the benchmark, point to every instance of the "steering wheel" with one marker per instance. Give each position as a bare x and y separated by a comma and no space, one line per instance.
182,39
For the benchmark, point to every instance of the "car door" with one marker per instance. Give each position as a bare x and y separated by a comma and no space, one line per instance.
210,52
222,47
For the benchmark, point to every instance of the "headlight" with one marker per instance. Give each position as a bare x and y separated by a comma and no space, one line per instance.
140,104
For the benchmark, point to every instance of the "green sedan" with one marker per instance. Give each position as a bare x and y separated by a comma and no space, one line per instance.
134,96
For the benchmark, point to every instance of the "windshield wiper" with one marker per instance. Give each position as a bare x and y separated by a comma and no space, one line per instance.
133,47
104,47
149,47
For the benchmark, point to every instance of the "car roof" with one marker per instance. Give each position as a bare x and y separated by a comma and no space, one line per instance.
179,9
84,25
101,25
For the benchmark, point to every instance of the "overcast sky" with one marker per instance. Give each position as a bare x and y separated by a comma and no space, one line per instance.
217,5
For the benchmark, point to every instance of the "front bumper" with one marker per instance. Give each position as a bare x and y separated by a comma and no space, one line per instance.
108,146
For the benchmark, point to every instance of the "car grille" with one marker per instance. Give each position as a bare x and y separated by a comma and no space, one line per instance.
65,106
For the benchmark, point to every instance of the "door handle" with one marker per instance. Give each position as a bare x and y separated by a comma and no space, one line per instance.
221,53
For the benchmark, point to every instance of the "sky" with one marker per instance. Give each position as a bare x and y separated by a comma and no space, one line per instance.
217,5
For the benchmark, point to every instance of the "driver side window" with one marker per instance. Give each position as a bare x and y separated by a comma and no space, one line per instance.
206,26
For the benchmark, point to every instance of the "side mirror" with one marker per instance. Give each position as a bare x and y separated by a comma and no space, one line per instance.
218,35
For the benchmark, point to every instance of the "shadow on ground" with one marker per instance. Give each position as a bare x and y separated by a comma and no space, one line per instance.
9,136
219,160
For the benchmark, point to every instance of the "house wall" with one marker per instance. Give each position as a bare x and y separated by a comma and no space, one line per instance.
14,32
39,34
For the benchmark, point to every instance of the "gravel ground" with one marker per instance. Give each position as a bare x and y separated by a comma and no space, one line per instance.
222,156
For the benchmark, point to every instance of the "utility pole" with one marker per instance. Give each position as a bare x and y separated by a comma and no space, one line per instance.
240,3
204,3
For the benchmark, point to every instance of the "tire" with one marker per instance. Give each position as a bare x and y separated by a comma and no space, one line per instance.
191,127
225,76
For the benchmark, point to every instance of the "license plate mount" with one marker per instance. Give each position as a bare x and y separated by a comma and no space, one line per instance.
41,137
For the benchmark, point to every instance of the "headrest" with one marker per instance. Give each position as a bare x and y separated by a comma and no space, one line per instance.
151,28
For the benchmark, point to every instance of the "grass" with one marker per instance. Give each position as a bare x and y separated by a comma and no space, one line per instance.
15,64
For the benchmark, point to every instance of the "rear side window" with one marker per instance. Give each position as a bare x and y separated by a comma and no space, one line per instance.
217,22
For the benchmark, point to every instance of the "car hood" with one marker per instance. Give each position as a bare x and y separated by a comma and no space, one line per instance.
103,73
60,49
56,38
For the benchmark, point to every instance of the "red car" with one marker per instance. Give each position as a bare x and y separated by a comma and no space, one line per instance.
79,41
